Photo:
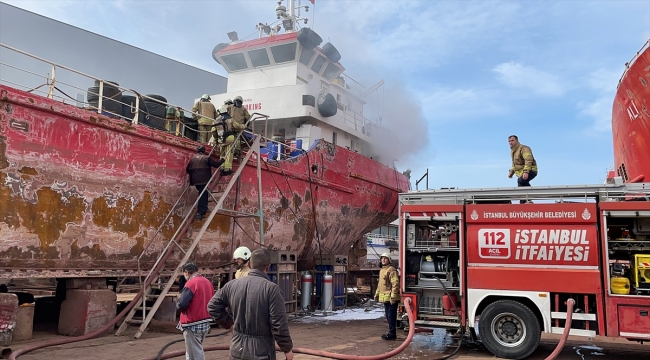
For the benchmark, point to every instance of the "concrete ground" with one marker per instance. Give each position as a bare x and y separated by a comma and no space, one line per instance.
335,334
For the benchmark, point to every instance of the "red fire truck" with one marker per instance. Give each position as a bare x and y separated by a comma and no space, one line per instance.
500,264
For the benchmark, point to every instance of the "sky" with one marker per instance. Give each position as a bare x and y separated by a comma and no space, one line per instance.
460,76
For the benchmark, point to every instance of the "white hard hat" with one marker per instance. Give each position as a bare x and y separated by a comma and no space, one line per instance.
205,97
242,252
386,255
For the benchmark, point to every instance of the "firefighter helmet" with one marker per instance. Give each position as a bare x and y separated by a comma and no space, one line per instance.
242,252
205,97
227,102
238,98
386,255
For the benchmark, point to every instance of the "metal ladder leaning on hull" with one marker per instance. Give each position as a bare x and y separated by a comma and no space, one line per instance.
147,316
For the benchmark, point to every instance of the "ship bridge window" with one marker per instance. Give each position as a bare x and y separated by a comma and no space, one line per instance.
306,55
318,63
285,52
259,57
235,62
330,71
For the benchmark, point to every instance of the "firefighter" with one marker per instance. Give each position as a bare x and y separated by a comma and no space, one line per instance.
241,255
523,162
208,115
388,294
240,115
231,129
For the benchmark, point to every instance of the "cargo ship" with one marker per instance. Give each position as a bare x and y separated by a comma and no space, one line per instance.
86,188
631,120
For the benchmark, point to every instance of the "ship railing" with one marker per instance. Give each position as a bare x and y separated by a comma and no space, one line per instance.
628,64
383,237
56,84
351,85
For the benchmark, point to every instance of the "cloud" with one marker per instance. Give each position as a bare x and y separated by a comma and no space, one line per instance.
446,105
603,82
601,112
529,78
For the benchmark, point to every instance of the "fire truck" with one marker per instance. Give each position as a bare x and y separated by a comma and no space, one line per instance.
500,264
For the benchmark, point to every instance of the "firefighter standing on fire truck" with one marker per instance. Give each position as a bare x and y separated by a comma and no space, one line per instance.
388,294
523,162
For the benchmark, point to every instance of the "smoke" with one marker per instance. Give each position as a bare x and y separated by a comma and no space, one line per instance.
404,129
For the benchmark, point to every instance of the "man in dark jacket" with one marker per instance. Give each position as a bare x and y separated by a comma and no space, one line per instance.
258,313
200,173
195,320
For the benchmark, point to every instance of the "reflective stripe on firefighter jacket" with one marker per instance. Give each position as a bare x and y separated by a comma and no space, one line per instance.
388,287
206,109
522,160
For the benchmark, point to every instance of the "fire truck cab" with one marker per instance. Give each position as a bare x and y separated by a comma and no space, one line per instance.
500,264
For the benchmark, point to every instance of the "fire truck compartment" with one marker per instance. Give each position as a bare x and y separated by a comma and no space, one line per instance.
634,321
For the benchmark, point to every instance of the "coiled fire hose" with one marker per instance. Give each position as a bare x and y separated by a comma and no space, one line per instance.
567,329
321,353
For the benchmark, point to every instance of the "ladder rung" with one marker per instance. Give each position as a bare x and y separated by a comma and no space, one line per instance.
135,321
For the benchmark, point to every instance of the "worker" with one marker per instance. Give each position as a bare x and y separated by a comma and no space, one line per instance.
241,116
258,311
241,255
200,170
192,303
173,117
207,114
231,130
523,162
238,111
388,294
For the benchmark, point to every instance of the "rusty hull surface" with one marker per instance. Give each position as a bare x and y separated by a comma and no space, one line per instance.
82,194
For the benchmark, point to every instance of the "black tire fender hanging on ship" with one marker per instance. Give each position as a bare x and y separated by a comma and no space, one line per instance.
331,52
216,49
326,105
308,38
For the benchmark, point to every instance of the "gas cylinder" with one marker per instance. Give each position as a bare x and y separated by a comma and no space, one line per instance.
305,290
448,302
326,301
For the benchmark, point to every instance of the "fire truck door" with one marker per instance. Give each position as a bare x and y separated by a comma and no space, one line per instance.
634,321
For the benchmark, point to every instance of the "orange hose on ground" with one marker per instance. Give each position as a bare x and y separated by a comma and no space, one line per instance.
322,353
567,329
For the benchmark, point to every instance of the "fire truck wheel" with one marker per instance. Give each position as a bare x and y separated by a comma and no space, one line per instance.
509,329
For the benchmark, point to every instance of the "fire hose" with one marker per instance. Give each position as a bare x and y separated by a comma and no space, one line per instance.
104,328
567,329
322,353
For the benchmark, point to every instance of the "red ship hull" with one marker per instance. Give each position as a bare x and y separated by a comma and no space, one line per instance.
84,192
631,121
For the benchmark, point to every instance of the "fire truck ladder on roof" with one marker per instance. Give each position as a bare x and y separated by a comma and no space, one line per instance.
183,228
605,192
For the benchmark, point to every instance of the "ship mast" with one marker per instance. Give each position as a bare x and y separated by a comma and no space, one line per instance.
288,18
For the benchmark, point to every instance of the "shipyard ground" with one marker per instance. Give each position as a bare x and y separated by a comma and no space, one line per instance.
356,337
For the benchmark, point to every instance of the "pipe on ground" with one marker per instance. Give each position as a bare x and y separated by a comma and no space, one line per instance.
5,353
326,354
567,329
